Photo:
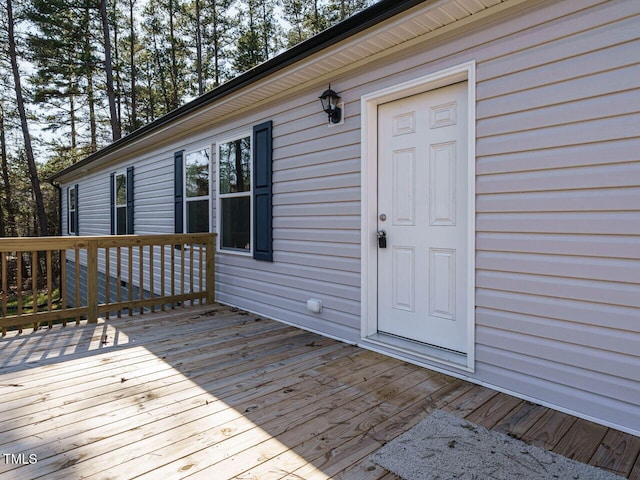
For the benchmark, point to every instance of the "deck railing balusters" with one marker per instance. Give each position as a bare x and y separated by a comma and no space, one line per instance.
92,279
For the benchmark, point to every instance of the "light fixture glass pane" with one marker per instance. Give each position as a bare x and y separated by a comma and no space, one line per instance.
235,166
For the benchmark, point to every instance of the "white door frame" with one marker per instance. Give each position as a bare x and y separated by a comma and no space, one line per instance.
369,201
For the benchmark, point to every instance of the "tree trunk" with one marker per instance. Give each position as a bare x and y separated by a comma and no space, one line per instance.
108,68
199,49
132,53
33,172
10,224
174,62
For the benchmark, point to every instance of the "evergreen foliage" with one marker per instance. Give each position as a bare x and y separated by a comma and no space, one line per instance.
91,69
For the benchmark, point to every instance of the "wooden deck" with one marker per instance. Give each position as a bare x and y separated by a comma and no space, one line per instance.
210,392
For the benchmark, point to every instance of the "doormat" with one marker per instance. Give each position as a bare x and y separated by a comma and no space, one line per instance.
444,447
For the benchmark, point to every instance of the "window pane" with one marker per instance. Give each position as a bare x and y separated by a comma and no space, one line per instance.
121,189
121,218
235,169
72,222
197,216
197,173
72,199
236,222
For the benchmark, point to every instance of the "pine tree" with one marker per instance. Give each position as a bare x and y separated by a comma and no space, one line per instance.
260,35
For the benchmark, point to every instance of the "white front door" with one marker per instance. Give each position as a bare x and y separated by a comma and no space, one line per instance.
422,209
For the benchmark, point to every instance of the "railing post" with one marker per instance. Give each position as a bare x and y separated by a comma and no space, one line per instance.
211,269
92,281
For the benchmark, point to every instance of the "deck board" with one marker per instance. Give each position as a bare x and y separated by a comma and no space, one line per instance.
213,392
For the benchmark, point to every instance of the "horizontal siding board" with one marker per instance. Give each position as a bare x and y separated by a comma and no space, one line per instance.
564,69
341,138
335,263
602,107
603,223
604,269
311,159
615,127
591,403
581,311
318,248
608,199
299,234
589,154
334,195
311,172
342,329
623,294
604,27
577,178
605,246
288,284
589,359
604,83
322,183
291,270
330,222
588,336
310,210
334,309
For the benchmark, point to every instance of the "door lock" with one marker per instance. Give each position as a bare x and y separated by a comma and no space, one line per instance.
382,239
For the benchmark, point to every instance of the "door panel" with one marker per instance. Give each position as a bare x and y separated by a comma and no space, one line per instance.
422,192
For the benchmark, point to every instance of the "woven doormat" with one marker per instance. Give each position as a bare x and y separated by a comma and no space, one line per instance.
444,447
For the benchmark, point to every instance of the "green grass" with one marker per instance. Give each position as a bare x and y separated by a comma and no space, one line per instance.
27,302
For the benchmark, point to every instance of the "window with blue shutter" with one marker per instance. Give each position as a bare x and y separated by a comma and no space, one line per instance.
121,190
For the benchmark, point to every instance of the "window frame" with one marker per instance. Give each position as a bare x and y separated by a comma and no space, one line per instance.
220,196
185,197
71,225
116,205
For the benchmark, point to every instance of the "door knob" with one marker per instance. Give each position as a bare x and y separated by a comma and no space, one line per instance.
382,217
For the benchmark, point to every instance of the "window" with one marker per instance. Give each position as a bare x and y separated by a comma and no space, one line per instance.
196,178
234,194
122,202
72,210
243,185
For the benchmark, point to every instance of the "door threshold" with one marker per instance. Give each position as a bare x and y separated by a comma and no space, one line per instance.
414,351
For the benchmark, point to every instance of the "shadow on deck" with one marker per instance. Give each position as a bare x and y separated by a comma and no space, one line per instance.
213,392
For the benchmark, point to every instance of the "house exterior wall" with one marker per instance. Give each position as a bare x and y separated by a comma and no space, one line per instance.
557,206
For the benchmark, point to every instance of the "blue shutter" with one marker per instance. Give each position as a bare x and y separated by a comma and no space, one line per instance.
129,200
178,191
112,190
262,205
76,225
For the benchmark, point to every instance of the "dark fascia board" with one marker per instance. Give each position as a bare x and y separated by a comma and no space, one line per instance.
357,23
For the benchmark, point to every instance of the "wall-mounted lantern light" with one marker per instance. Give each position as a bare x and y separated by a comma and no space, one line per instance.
329,100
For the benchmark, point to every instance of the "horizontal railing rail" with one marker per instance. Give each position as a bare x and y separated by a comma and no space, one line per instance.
58,279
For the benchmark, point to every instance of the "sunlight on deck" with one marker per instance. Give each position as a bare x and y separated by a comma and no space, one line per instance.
116,411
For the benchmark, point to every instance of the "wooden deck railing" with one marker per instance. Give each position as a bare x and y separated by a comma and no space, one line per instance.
50,279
